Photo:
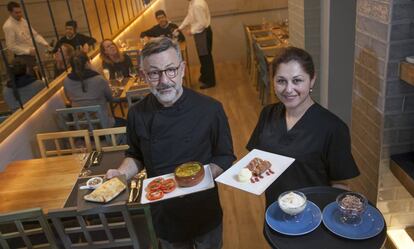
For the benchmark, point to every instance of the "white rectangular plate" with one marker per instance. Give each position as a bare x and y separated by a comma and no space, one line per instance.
279,165
206,183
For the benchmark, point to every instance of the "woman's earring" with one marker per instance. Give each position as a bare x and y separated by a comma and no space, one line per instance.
311,90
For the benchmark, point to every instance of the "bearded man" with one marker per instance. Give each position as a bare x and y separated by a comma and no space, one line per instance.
171,126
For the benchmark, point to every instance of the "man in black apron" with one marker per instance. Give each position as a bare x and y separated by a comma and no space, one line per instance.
197,23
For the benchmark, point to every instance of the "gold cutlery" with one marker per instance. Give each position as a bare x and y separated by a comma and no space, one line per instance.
141,176
133,186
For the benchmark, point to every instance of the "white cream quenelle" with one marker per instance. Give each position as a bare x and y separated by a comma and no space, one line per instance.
244,175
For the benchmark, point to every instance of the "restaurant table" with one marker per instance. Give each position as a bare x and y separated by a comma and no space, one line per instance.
44,183
321,237
112,160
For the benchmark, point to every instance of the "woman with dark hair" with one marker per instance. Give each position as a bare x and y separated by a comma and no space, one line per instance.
300,128
85,87
113,59
23,85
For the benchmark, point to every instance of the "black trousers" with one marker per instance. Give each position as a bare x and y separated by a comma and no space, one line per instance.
207,74
30,62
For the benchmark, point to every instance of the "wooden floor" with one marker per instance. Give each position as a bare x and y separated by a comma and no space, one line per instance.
243,212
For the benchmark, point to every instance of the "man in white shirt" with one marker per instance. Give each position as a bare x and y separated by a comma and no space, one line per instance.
17,35
197,23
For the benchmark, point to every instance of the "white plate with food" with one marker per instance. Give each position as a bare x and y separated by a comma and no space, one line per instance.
168,186
256,171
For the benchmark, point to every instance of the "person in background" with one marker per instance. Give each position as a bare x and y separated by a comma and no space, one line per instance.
163,28
113,59
197,23
23,85
75,39
177,125
86,87
300,128
17,36
62,58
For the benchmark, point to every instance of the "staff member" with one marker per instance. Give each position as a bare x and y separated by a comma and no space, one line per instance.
76,40
300,128
163,28
17,35
198,23
171,126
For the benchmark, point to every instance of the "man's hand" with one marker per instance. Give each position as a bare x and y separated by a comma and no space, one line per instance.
111,173
215,170
32,52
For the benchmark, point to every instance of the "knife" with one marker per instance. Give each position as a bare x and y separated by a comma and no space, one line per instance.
138,190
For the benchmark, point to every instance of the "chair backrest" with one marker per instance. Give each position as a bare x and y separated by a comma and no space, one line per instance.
64,143
26,229
95,228
116,142
79,118
136,95
261,64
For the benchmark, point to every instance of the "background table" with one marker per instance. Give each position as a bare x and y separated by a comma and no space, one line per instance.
44,183
321,237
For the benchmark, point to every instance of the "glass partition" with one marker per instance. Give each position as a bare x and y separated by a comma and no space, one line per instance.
41,49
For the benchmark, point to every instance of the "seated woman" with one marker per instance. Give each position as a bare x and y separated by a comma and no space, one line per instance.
113,59
26,85
85,87
300,128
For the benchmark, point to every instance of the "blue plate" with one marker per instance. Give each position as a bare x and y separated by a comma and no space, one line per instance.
309,220
371,223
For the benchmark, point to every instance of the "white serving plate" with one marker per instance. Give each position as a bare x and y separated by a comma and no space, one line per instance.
205,184
279,165
410,59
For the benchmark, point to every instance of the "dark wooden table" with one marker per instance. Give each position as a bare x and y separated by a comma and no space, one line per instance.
321,237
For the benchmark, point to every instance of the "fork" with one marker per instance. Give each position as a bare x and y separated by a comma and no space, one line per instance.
133,186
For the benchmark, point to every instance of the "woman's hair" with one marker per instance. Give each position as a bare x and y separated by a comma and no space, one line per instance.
78,63
295,54
105,58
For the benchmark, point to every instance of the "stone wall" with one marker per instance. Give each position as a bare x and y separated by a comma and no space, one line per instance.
383,105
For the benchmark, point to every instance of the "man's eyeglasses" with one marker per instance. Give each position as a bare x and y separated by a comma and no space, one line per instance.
155,75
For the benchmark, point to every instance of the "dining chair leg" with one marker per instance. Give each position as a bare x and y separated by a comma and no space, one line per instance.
153,237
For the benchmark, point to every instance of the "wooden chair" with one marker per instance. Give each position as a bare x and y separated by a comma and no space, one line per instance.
26,229
95,228
136,95
78,118
263,81
115,143
62,140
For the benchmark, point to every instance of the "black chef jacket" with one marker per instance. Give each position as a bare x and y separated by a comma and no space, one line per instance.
195,128
319,142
